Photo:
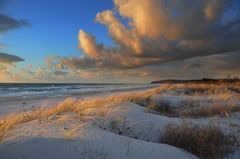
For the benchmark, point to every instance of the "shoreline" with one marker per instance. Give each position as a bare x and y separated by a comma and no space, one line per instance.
129,124
20,104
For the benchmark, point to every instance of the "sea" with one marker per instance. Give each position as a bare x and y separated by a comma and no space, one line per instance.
36,90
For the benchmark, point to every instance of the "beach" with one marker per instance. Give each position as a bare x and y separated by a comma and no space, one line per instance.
22,97
134,121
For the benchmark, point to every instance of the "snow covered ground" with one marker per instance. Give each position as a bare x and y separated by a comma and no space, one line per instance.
119,126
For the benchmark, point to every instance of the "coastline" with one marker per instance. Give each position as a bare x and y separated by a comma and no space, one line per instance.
125,124
16,104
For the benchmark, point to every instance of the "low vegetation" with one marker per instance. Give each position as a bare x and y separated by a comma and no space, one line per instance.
163,107
87,109
212,110
221,104
206,141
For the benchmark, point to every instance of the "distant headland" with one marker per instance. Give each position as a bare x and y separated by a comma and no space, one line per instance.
198,81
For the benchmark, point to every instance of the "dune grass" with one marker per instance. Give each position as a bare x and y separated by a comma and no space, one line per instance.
212,110
90,108
223,102
163,107
87,109
206,141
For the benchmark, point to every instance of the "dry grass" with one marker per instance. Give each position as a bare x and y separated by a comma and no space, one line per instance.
162,107
87,109
206,89
90,108
212,110
223,105
206,141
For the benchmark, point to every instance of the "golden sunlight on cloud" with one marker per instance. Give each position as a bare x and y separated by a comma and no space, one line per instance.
7,67
157,32
151,39
119,33
88,44
213,9
149,18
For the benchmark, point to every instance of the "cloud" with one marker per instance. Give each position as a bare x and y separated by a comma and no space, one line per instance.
7,67
9,59
213,9
217,63
8,23
119,33
2,46
153,34
6,72
212,66
88,44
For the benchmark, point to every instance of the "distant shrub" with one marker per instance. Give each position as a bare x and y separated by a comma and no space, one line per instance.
236,90
211,110
162,107
197,91
206,141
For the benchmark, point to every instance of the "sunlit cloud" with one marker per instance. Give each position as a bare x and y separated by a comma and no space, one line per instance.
157,32
7,67
151,39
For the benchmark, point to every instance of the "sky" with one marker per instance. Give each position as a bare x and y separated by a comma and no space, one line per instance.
118,40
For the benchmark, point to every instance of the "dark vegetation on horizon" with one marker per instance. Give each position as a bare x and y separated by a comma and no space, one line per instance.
198,81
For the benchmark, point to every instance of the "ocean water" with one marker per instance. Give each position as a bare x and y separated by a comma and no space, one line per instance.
55,90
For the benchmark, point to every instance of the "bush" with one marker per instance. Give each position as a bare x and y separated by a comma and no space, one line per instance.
203,140
212,110
162,107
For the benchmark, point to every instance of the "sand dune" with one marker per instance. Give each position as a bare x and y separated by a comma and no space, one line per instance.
121,125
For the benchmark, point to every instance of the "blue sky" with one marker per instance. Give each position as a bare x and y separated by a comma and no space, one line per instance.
54,27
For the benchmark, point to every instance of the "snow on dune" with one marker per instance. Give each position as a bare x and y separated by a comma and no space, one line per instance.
63,137
122,130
